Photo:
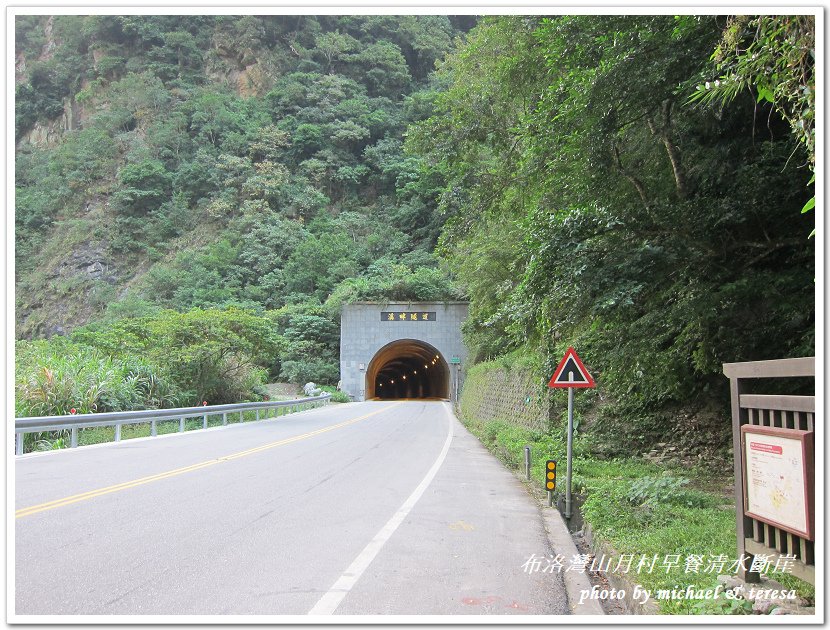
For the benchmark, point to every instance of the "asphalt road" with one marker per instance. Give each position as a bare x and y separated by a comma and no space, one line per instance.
373,508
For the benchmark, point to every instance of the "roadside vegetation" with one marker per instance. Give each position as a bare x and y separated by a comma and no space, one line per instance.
169,359
643,509
593,205
639,188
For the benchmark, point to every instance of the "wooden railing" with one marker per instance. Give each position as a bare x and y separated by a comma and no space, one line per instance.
791,415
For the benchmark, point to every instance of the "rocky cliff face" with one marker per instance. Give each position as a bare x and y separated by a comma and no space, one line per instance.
148,143
81,273
76,278
246,72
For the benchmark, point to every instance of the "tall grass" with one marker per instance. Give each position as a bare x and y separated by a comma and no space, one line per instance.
55,376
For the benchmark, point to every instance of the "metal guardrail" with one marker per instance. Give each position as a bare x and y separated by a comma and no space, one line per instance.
117,419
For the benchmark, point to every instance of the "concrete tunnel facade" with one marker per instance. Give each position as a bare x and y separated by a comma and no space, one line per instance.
402,350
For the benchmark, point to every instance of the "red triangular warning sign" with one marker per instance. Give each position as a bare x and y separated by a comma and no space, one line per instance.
571,372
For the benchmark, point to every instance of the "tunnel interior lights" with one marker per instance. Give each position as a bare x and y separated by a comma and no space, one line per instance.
395,372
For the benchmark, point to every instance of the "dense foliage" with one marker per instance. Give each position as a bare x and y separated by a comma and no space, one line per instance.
55,377
162,360
593,205
774,57
201,162
577,184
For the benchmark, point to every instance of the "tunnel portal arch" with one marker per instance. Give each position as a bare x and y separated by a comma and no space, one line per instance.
382,340
408,368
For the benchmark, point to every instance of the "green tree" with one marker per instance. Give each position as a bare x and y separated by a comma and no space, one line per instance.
310,344
214,355
334,48
774,55
589,205
383,68
319,263
144,186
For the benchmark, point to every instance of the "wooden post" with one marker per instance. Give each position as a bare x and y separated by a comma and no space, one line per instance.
741,521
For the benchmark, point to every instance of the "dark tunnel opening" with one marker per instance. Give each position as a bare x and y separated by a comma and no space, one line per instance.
408,369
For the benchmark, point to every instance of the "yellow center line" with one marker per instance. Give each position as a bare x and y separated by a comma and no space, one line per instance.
91,494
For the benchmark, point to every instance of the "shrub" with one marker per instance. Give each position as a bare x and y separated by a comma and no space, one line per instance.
336,395
215,354
52,377
651,491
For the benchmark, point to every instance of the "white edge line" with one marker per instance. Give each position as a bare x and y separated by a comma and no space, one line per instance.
331,600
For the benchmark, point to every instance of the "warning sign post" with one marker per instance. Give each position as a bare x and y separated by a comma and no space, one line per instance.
571,373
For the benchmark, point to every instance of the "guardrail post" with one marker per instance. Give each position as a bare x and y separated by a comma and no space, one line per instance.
153,429
117,432
73,441
204,421
18,438
241,419
257,414
224,419
181,425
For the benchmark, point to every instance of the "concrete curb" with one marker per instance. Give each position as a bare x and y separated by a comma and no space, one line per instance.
561,542
632,606
575,582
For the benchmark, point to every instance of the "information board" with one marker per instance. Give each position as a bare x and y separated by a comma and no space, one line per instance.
778,477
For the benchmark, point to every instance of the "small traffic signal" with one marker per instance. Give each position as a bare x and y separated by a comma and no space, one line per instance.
550,475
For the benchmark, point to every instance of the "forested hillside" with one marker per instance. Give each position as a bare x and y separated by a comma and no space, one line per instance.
197,196
632,186
207,162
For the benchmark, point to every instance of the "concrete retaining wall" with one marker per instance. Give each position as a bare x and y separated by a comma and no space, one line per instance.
493,391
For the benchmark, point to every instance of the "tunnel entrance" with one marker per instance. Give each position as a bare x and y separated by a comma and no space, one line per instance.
408,369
